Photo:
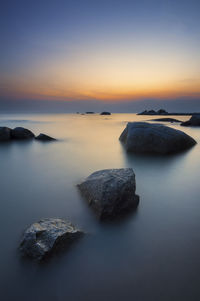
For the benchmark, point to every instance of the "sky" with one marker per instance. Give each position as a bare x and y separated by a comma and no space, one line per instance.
82,54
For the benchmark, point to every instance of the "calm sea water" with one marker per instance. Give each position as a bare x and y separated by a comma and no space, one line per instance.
152,254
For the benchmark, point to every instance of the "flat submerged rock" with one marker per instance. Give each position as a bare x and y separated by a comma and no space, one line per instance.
143,137
166,120
110,192
46,236
194,121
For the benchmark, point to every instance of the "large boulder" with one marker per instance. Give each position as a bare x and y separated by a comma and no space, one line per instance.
43,137
110,192
21,133
194,121
143,137
46,236
5,133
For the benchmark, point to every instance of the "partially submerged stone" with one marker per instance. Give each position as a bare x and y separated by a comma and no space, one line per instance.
194,121
21,133
110,192
43,137
5,133
47,236
166,120
143,137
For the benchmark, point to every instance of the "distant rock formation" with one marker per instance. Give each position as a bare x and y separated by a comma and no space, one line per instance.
110,192
89,112
43,137
46,236
194,121
105,113
152,112
143,137
163,112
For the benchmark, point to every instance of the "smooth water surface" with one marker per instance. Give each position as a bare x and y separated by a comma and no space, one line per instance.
152,254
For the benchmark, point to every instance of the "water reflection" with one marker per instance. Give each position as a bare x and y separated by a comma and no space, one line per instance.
152,254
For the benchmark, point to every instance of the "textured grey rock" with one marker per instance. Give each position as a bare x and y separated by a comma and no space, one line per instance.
43,137
46,236
143,137
21,133
110,192
5,133
194,121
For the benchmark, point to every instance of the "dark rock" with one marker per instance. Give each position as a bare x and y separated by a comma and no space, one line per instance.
89,112
21,133
194,121
152,112
162,112
5,133
166,120
143,137
105,113
47,236
43,137
110,192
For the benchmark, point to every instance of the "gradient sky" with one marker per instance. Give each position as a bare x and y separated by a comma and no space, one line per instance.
109,51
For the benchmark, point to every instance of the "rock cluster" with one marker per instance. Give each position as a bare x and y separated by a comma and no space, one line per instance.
20,133
152,112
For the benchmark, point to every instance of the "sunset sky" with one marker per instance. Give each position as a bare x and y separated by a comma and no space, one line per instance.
99,51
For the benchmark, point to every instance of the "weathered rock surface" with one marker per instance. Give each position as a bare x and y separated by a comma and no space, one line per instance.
110,192
166,120
47,236
105,113
21,133
194,121
43,137
5,133
143,137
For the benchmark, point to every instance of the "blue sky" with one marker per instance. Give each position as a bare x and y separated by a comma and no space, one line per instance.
101,51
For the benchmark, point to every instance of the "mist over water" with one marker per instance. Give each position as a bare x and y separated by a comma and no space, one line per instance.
151,254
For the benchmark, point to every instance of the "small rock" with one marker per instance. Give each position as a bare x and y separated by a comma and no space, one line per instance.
105,113
46,236
5,133
44,137
21,133
143,137
110,192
